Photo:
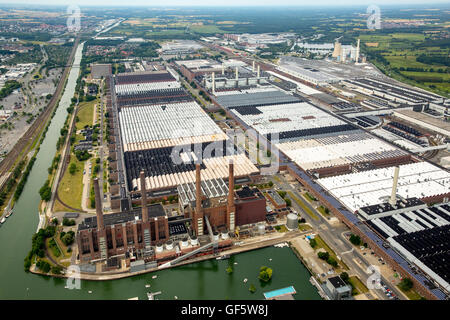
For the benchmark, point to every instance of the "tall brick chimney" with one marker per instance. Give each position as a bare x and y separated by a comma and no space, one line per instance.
98,206
231,184
198,214
230,205
144,197
198,189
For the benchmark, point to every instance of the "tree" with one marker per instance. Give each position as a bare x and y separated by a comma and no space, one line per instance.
229,270
46,192
68,222
72,168
313,243
68,239
344,276
323,255
331,261
406,284
252,288
265,273
288,202
282,193
356,240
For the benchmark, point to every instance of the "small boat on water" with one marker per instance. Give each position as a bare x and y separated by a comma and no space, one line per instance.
147,286
151,295
224,257
3,220
9,213
154,277
245,280
176,298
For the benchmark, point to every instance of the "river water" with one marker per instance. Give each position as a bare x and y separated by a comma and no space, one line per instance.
203,280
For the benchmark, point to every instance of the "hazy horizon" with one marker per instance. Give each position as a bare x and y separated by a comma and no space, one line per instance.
219,3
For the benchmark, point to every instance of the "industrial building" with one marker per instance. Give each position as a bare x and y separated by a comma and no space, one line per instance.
139,234
194,68
158,128
224,206
337,289
420,180
99,71
180,47
323,72
291,121
422,237
235,77
339,150
129,233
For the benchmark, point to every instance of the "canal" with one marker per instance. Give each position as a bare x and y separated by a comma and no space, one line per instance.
203,280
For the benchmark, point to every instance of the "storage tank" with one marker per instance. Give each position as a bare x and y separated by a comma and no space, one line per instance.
261,229
194,241
216,236
225,235
159,248
292,221
184,242
169,245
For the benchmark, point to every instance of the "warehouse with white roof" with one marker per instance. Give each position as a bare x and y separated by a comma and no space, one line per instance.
420,180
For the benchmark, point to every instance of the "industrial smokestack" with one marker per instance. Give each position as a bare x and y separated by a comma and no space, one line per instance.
98,206
144,197
230,206
237,73
357,51
213,83
198,189
258,72
253,66
393,199
231,183
223,68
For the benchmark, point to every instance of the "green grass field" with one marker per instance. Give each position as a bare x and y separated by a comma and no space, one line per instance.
401,51
85,114
71,186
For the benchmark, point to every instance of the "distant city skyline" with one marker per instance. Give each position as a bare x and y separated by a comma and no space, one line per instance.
220,3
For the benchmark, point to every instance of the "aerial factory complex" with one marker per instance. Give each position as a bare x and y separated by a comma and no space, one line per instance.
370,180
207,145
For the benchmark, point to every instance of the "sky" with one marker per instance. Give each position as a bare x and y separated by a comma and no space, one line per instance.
150,3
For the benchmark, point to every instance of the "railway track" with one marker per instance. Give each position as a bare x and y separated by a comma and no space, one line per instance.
22,147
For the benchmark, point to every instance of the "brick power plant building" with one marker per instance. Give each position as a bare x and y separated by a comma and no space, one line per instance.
136,232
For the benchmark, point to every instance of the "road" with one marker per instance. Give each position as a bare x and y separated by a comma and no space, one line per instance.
334,236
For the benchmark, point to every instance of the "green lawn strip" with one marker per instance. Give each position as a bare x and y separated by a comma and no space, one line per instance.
322,244
309,197
281,228
321,209
303,206
357,285
411,294
304,227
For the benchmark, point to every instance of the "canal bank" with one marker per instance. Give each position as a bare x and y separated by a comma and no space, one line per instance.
16,233
205,280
